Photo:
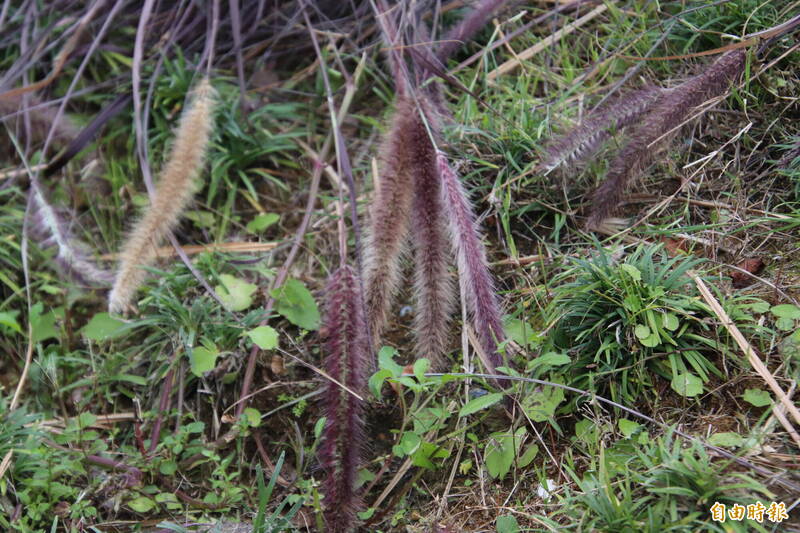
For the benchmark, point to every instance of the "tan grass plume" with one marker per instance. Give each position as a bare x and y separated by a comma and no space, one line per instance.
173,194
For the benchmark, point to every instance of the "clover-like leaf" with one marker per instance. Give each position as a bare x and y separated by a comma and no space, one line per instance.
757,397
264,337
687,384
235,293
295,302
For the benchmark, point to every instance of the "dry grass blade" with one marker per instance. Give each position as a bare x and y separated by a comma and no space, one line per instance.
512,64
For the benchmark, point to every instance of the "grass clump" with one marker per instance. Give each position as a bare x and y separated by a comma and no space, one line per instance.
620,319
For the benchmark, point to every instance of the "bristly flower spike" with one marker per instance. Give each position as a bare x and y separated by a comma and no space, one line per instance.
388,224
173,194
51,230
346,350
581,142
477,287
433,285
659,125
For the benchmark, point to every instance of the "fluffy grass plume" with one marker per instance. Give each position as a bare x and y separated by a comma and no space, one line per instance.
389,213
173,194
41,119
467,27
433,286
50,229
582,141
652,133
475,280
346,350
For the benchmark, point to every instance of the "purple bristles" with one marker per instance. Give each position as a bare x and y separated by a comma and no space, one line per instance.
346,351
477,287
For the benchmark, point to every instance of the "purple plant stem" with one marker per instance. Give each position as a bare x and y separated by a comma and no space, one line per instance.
163,404
477,287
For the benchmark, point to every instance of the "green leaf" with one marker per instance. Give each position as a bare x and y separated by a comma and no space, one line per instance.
528,456
632,271
726,439
501,450
670,322
235,293
408,444
295,302
521,332
102,327
651,342
786,311
43,325
203,359
129,378
506,524
541,405
319,426
262,222
376,380
420,367
628,427
758,306
427,451
9,319
386,361
168,468
86,420
201,219
757,397
548,360
586,431
479,403
366,515
641,331
252,416
687,384
789,347
142,504
265,337
784,323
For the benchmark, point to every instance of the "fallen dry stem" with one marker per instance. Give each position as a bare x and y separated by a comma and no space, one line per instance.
512,64
745,346
194,249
